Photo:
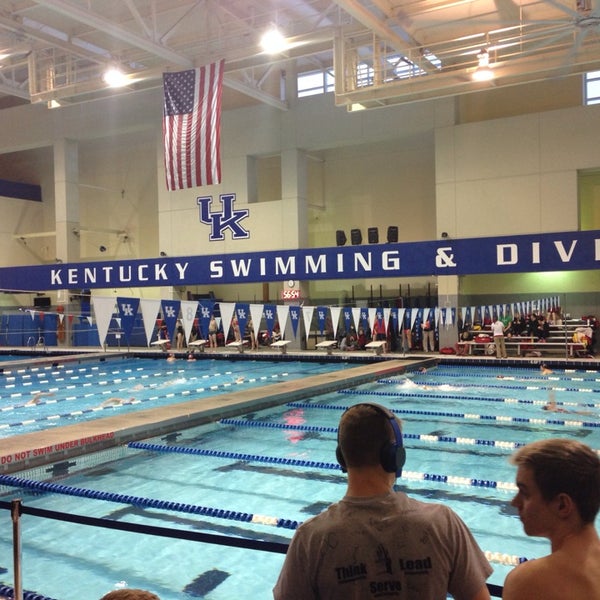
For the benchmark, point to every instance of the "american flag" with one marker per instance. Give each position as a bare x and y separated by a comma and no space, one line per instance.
192,126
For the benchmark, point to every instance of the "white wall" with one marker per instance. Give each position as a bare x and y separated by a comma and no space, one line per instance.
407,165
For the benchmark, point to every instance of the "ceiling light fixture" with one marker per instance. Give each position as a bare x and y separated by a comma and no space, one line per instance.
114,77
483,72
273,41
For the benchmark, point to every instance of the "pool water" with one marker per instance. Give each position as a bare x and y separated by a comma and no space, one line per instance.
460,423
66,393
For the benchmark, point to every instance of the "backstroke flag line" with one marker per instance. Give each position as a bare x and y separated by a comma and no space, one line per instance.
192,126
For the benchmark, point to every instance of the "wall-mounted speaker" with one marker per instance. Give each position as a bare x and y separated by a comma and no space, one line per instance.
373,235
392,234
340,237
355,237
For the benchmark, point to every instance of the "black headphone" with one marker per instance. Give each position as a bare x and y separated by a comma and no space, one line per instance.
392,455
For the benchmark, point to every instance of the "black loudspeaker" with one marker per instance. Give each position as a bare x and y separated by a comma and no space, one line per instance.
340,237
355,237
392,234
392,454
41,302
373,235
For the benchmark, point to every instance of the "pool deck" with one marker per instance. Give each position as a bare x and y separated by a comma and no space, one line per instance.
53,445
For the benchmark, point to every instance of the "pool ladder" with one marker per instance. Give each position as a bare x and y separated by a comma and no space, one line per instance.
40,343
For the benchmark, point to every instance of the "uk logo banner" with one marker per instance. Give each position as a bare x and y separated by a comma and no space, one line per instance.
321,318
295,317
128,308
206,308
170,312
242,310
270,313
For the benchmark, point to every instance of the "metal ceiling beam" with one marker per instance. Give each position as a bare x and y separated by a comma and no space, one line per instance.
255,93
96,21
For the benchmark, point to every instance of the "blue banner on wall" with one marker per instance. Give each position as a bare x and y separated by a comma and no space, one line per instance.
570,251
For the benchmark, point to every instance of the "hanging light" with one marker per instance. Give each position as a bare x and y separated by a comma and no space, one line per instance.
483,71
114,77
273,41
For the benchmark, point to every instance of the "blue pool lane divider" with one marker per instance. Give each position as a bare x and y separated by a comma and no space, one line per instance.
432,413
218,513
407,436
9,592
497,557
414,475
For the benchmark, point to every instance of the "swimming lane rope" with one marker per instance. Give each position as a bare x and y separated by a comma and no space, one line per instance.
413,475
493,386
9,592
432,413
219,513
497,557
410,392
406,436
77,413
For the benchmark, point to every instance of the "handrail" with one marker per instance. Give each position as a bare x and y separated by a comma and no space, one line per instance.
194,536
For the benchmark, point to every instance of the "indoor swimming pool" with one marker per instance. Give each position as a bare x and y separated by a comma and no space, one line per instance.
37,398
258,475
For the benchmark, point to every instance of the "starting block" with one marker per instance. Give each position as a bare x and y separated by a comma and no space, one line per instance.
282,345
327,345
378,347
162,344
238,345
197,344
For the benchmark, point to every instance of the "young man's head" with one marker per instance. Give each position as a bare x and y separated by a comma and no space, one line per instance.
370,435
561,466
130,594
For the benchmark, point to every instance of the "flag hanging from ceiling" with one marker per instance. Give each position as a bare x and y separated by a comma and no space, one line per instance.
192,126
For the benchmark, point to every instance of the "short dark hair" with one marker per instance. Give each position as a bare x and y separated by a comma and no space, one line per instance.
362,431
130,594
562,466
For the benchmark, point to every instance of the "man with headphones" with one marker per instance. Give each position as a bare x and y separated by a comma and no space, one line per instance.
375,542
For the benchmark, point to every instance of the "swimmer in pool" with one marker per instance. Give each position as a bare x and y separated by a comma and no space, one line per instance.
38,398
116,402
240,379
545,370
552,406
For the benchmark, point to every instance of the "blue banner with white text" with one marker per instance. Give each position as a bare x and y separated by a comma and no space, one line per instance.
569,251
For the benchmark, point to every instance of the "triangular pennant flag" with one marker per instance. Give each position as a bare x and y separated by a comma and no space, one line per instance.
103,310
386,318
128,308
336,311
242,312
256,314
321,318
282,316
372,317
226,309
206,308
149,308
401,312
307,314
170,313
347,314
188,316
413,317
356,318
270,312
294,313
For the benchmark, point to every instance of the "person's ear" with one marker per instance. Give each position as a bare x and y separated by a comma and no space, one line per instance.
564,504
